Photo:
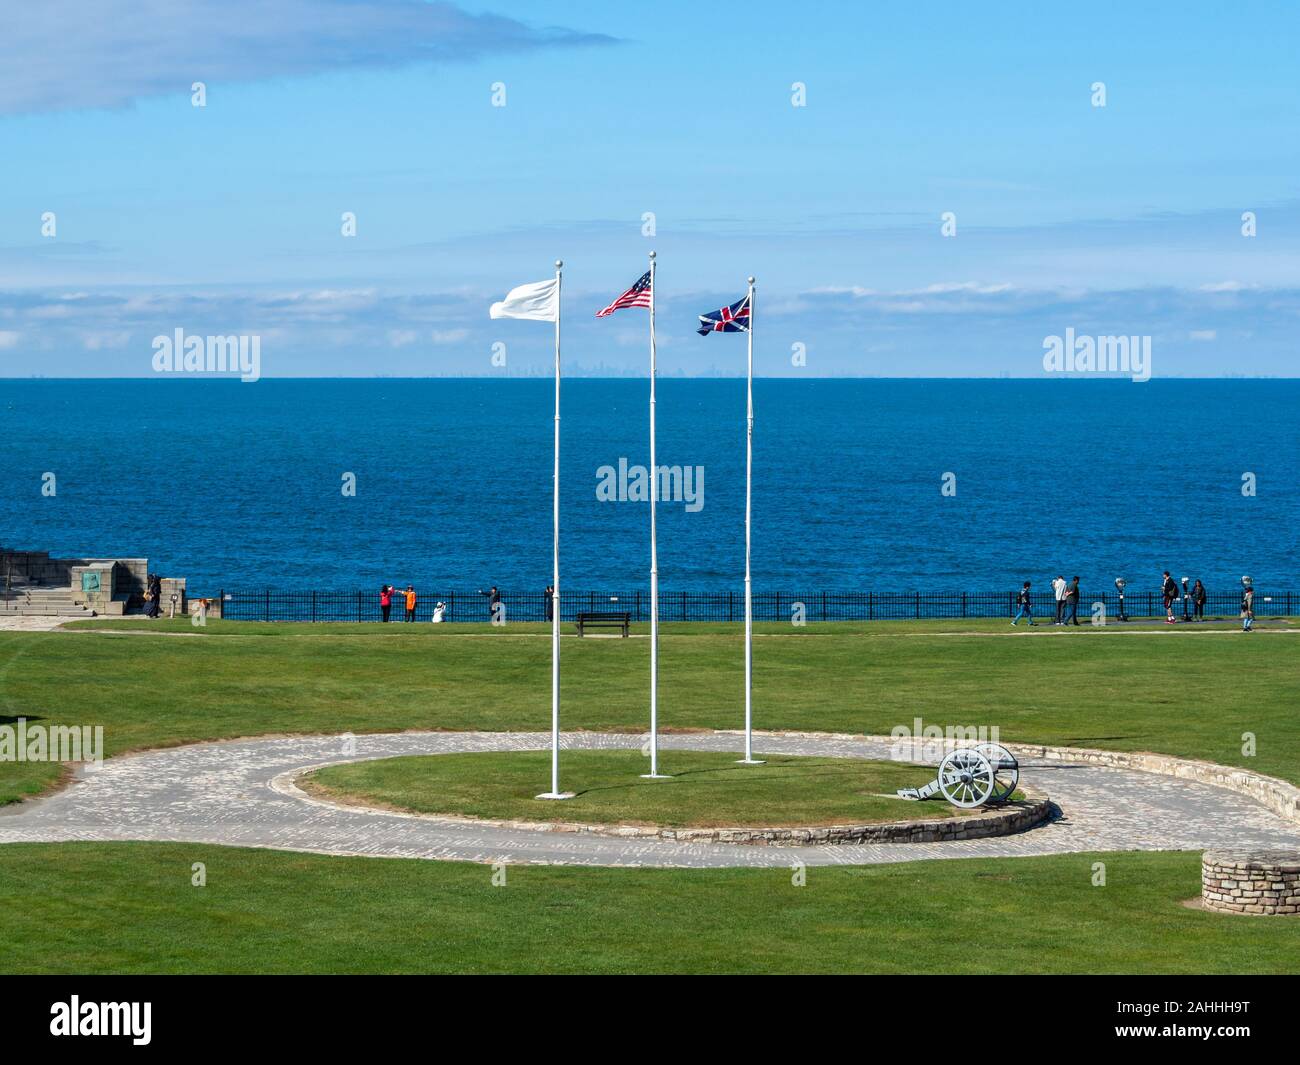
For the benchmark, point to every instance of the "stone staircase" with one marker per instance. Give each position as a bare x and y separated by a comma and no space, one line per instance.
25,599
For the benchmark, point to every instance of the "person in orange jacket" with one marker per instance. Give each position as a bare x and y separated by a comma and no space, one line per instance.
410,602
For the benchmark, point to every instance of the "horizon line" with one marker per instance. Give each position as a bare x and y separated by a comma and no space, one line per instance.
234,379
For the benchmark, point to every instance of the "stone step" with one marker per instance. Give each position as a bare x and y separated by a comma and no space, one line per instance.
43,612
40,593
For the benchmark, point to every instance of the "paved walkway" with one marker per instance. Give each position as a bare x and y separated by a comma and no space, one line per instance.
241,794
30,623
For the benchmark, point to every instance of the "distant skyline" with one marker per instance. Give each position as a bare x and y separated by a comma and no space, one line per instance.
227,219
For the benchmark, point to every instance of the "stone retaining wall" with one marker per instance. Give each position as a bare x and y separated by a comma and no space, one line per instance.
1259,883
1004,820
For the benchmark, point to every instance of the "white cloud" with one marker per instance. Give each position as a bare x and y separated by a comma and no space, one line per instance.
448,336
100,341
8,338
1203,334
109,53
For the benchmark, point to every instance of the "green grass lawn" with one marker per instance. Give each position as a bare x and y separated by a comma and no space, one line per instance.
130,907
1183,691
705,790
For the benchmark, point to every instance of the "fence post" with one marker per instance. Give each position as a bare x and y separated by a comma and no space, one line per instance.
823,606
313,606
268,605
918,605
963,604
358,606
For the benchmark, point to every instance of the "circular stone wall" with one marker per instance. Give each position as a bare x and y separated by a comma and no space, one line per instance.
1251,882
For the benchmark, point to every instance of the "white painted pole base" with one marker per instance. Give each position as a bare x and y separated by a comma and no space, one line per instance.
751,761
656,776
555,795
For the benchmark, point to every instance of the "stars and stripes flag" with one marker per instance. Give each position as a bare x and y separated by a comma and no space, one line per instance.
733,319
637,296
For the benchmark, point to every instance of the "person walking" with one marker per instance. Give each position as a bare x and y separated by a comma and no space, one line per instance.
153,595
1198,600
385,600
1169,591
1058,589
1072,597
410,602
1026,606
1248,609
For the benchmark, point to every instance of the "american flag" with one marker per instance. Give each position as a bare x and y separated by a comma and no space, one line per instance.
637,296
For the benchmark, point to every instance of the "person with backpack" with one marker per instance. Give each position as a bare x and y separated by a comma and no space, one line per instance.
1169,591
1026,605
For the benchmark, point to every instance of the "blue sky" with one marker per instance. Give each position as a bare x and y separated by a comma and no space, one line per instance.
226,219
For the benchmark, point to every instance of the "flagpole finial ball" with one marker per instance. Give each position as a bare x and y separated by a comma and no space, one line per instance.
751,280
652,255
559,263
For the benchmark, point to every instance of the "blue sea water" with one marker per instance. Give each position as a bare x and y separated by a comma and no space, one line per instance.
237,485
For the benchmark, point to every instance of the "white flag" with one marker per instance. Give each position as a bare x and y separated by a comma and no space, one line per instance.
538,302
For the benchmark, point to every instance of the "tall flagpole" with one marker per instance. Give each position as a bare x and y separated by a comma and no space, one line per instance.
555,792
654,555
749,602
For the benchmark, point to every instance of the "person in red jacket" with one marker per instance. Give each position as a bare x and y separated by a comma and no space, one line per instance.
386,600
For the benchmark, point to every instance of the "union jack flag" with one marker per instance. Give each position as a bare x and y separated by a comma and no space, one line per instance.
733,319
637,296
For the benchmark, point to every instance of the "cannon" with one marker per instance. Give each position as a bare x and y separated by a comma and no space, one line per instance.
972,776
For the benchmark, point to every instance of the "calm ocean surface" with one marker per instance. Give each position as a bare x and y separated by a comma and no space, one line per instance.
238,485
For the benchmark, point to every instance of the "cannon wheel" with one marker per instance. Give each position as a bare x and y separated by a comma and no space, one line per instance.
966,778
1006,770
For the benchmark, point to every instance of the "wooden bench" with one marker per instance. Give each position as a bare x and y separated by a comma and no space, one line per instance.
607,620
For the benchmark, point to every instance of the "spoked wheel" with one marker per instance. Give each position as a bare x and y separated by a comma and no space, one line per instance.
966,778
1006,770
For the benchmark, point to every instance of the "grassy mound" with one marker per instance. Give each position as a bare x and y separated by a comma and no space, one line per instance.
705,789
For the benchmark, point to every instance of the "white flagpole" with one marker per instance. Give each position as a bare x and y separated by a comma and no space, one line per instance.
749,602
555,792
654,555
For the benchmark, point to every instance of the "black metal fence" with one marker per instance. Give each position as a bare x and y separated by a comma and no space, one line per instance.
273,605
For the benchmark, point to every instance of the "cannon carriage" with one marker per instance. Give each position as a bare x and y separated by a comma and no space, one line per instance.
972,776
